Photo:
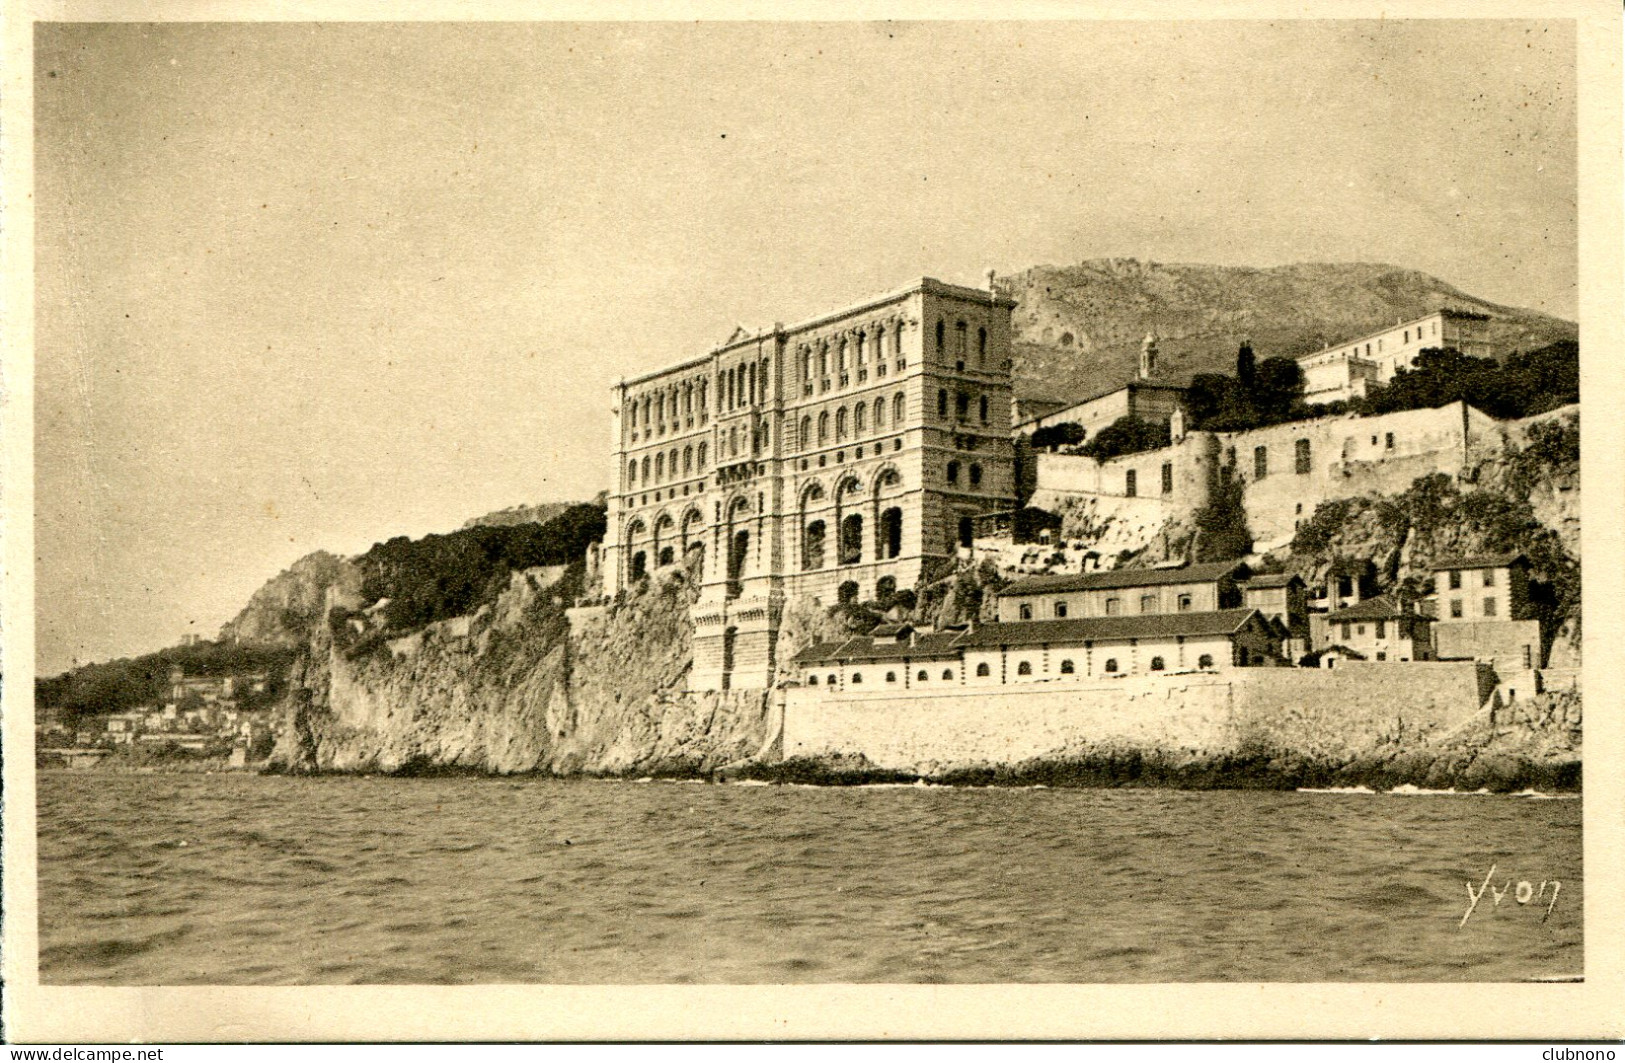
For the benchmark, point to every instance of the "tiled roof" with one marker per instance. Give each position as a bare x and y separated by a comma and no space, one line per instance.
1123,578
1480,561
1106,628
1381,607
886,631
1276,579
932,647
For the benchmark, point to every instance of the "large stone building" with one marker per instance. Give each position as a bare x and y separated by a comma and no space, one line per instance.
835,458
1347,370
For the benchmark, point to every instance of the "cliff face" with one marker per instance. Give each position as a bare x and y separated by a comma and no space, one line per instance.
521,686
286,609
1078,328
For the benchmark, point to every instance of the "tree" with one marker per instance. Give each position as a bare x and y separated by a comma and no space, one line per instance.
1277,386
1245,366
1058,435
1126,435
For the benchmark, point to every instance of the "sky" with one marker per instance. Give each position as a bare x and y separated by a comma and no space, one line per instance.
312,286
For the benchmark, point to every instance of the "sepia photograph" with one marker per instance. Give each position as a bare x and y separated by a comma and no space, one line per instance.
882,501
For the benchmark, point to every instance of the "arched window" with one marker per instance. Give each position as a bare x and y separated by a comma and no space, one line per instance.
812,680
1024,668
840,357
632,473
942,402
847,593
922,677
953,472
941,334
982,671
982,410
891,677
975,475
830,680
1066,667
806,433
806,363
885,589
688,459
981,347
947,673
863,352
823,426
897,342
961,405
1156,664
891,533
812,546
857,677
959,339
897,410
1111,664
640,565
1205,661
840,423
733,441
645,476
852,539
860,419
880,414
699,461
823,359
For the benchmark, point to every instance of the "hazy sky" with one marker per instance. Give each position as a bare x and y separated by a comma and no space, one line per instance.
313,286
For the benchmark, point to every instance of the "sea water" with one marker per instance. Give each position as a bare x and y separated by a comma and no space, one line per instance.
236,879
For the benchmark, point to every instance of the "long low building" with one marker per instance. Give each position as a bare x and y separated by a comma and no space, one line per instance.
1038,651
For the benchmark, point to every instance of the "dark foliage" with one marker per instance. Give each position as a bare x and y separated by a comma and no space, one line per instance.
1058,435
1030,521
1221,525
1126,435
442,576
1527,384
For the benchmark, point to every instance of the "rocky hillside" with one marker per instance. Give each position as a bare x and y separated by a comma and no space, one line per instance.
540,513
521,686
285,611
1078,328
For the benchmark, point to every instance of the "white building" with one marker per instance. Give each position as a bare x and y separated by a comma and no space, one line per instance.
1348,370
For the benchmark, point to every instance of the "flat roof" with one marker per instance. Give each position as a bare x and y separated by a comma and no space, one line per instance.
1443,311
924,284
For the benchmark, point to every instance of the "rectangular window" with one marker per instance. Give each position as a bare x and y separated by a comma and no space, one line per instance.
1359,629
1489,577
1026,612
1388,441
1382,629
1184,603
1347,631
1114,606
1301,457
1381,656
1060,610
1167,477
1455,581
1528,657
1455,608
1130,485
1148,603
1489,606
1261,462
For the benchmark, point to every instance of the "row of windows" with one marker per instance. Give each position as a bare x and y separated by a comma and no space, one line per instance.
983,671
666,465
675,406
961,343
1302,456
1114,606
850,421
857,454
1455,579
1131,480
961,406
852,350
1455,608
974,474
889,544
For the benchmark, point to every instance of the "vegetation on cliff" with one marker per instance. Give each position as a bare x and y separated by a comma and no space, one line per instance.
442,576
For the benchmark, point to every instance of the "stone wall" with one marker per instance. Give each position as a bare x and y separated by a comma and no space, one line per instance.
1500,642
1355,708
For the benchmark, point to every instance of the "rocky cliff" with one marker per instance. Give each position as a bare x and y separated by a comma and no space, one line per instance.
527,684
286,609
1078,328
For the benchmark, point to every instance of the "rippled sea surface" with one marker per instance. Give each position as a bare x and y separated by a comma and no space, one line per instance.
148,880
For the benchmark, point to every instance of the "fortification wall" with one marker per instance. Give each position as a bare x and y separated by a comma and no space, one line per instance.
1352,709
